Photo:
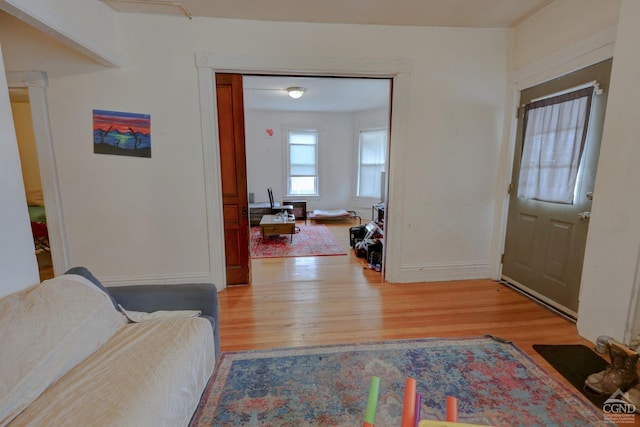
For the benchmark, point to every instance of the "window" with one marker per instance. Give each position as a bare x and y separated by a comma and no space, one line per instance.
302,174
555,130
372,148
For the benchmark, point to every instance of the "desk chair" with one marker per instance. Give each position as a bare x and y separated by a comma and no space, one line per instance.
277,207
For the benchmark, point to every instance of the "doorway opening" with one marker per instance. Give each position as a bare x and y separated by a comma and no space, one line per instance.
325,151
23,123
33,86
210,65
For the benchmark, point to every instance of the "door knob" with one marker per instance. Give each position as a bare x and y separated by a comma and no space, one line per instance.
584,216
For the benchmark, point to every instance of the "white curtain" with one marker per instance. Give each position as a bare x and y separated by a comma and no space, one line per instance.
555,131
373,147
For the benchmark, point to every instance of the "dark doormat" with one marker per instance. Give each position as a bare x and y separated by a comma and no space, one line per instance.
575,362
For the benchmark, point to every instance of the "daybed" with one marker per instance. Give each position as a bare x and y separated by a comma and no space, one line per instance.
334,214
70,357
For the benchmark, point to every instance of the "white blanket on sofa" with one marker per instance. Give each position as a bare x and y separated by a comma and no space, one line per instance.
44,332
120,385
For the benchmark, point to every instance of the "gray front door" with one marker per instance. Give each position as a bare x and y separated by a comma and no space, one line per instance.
545,240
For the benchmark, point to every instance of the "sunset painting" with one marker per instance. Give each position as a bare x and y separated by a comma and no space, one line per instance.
124,134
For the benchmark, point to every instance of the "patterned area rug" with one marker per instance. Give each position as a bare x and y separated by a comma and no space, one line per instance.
312,240
495,383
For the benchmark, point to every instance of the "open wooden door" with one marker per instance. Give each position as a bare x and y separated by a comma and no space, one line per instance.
234,177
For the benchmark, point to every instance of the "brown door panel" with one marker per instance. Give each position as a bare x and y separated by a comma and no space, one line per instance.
233,173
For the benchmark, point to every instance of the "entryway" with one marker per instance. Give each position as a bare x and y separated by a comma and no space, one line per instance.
556,156
35,85
309,151
209,64
23,123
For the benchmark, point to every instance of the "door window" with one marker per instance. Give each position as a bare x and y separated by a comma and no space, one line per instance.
555,132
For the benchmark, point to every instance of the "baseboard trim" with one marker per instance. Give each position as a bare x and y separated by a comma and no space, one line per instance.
157,279
444,272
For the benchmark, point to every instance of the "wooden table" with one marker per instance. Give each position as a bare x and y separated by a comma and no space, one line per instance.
272,225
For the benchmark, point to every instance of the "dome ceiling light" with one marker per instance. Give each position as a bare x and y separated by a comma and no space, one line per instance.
295,92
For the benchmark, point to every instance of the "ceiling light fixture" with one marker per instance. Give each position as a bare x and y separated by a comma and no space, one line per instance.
295,92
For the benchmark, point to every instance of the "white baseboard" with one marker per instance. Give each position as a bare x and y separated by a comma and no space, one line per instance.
444,272
157,279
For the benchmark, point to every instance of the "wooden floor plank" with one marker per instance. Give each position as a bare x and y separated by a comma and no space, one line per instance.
336,299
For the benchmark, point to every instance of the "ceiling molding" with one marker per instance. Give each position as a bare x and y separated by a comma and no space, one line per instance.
149,6
421,13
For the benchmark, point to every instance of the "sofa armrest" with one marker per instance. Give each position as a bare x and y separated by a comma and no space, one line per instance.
189,296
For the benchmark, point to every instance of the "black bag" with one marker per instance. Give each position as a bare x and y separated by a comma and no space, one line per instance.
374,253
356,234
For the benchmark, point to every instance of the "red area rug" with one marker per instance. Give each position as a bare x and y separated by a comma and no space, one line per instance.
312,240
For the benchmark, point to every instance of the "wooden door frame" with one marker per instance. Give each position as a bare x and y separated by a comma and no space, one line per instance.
208,64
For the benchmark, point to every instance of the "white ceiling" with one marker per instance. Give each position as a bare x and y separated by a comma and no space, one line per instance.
450,13
324,94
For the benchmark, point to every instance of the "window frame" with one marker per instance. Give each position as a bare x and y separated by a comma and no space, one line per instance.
302,129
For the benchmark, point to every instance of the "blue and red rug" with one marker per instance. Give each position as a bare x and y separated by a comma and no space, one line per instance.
494,381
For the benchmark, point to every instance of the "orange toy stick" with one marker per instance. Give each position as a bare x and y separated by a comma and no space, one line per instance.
452,409
409,407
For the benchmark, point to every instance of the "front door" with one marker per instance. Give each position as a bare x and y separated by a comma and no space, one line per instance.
234,177
549,211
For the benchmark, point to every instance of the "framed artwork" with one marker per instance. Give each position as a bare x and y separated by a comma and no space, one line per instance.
122,134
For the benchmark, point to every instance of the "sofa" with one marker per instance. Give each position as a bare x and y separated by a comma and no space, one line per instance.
75,353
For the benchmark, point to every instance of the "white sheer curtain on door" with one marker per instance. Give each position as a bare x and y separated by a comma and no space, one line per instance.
554,133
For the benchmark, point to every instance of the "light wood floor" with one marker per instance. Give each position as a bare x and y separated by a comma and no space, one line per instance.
45,265
335,299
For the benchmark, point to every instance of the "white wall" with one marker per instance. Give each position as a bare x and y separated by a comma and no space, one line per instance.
562,23
266,155
87,26
452,161
18,265
130,218
610,278
337,156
